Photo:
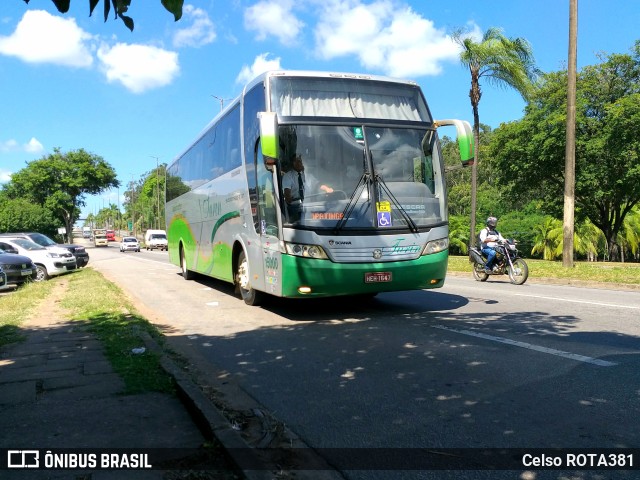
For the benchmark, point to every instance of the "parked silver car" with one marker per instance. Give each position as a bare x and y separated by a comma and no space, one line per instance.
79,252
49,262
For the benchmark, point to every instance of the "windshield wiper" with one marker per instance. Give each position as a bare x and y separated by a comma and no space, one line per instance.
380,181
365,180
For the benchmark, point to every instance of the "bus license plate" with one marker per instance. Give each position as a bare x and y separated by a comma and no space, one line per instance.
377,277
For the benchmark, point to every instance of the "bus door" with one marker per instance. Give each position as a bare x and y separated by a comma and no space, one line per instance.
268,226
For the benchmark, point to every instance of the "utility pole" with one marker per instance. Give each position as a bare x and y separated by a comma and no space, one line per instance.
133,203
568,227
119,215
157,191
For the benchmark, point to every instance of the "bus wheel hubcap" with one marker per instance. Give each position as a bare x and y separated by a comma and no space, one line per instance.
243,278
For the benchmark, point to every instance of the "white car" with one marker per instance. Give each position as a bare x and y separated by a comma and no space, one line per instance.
129,243
49,261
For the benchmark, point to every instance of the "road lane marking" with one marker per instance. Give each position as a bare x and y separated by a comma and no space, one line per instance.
530,346
600,304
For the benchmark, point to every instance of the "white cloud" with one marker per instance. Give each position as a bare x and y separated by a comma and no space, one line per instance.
384,36
260,65
138,67
273,18
43,38
201,31
9,146
5,176
33,146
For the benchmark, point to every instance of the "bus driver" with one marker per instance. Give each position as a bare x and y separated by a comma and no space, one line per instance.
296,183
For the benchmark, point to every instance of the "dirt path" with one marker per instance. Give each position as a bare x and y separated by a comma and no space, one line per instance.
49,310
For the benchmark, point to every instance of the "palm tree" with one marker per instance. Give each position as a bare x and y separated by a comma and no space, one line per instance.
548,239
586,239
629,236
502,61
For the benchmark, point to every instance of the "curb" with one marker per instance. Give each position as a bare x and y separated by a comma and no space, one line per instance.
213,424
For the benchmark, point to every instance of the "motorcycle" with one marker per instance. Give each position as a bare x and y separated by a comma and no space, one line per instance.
507,262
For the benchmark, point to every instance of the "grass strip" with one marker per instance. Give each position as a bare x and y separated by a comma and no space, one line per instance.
112,318
16,306
605,272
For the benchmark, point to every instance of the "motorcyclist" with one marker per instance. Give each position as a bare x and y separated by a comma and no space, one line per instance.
489,238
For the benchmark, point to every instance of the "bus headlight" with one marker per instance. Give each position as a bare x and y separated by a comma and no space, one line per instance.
435,246
307,251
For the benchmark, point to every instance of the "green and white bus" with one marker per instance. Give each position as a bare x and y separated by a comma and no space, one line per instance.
381,225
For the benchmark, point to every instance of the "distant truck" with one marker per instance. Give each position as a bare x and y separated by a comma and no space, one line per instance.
111,235
155,239
100,238
86,232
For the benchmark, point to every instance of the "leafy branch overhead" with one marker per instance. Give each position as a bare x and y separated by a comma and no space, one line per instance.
120,7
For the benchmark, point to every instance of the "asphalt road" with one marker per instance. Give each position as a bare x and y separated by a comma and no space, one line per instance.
472,365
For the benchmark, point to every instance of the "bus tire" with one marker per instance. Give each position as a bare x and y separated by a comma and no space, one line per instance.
243,285
186,273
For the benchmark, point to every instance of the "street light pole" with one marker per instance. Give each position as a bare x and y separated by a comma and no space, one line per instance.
133,211
157,191
221,100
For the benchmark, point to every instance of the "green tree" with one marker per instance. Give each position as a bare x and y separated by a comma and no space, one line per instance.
144,199
90,221
587,240
22,215
120,7
607,145
502,61
107,217
458,231
60,181
548,239
629,236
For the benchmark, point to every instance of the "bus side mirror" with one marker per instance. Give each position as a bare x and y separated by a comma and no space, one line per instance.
465,139
269,137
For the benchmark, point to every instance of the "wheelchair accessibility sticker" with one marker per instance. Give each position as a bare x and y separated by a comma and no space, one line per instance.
384,219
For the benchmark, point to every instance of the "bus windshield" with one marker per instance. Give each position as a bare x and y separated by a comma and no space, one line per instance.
361,177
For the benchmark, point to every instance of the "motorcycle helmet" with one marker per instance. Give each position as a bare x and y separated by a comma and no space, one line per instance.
492,222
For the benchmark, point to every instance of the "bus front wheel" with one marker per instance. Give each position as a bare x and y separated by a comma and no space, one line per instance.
243,283
186,273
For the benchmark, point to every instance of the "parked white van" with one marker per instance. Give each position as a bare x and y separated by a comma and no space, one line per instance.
49,261
155,239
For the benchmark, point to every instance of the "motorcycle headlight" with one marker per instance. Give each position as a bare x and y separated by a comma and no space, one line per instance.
435,246
307,251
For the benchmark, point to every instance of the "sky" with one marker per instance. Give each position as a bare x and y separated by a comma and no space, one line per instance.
139,98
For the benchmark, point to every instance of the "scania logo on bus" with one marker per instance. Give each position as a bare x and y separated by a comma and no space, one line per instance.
377,254
338,243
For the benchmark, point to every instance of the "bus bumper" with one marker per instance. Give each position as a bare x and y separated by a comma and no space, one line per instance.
307,277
